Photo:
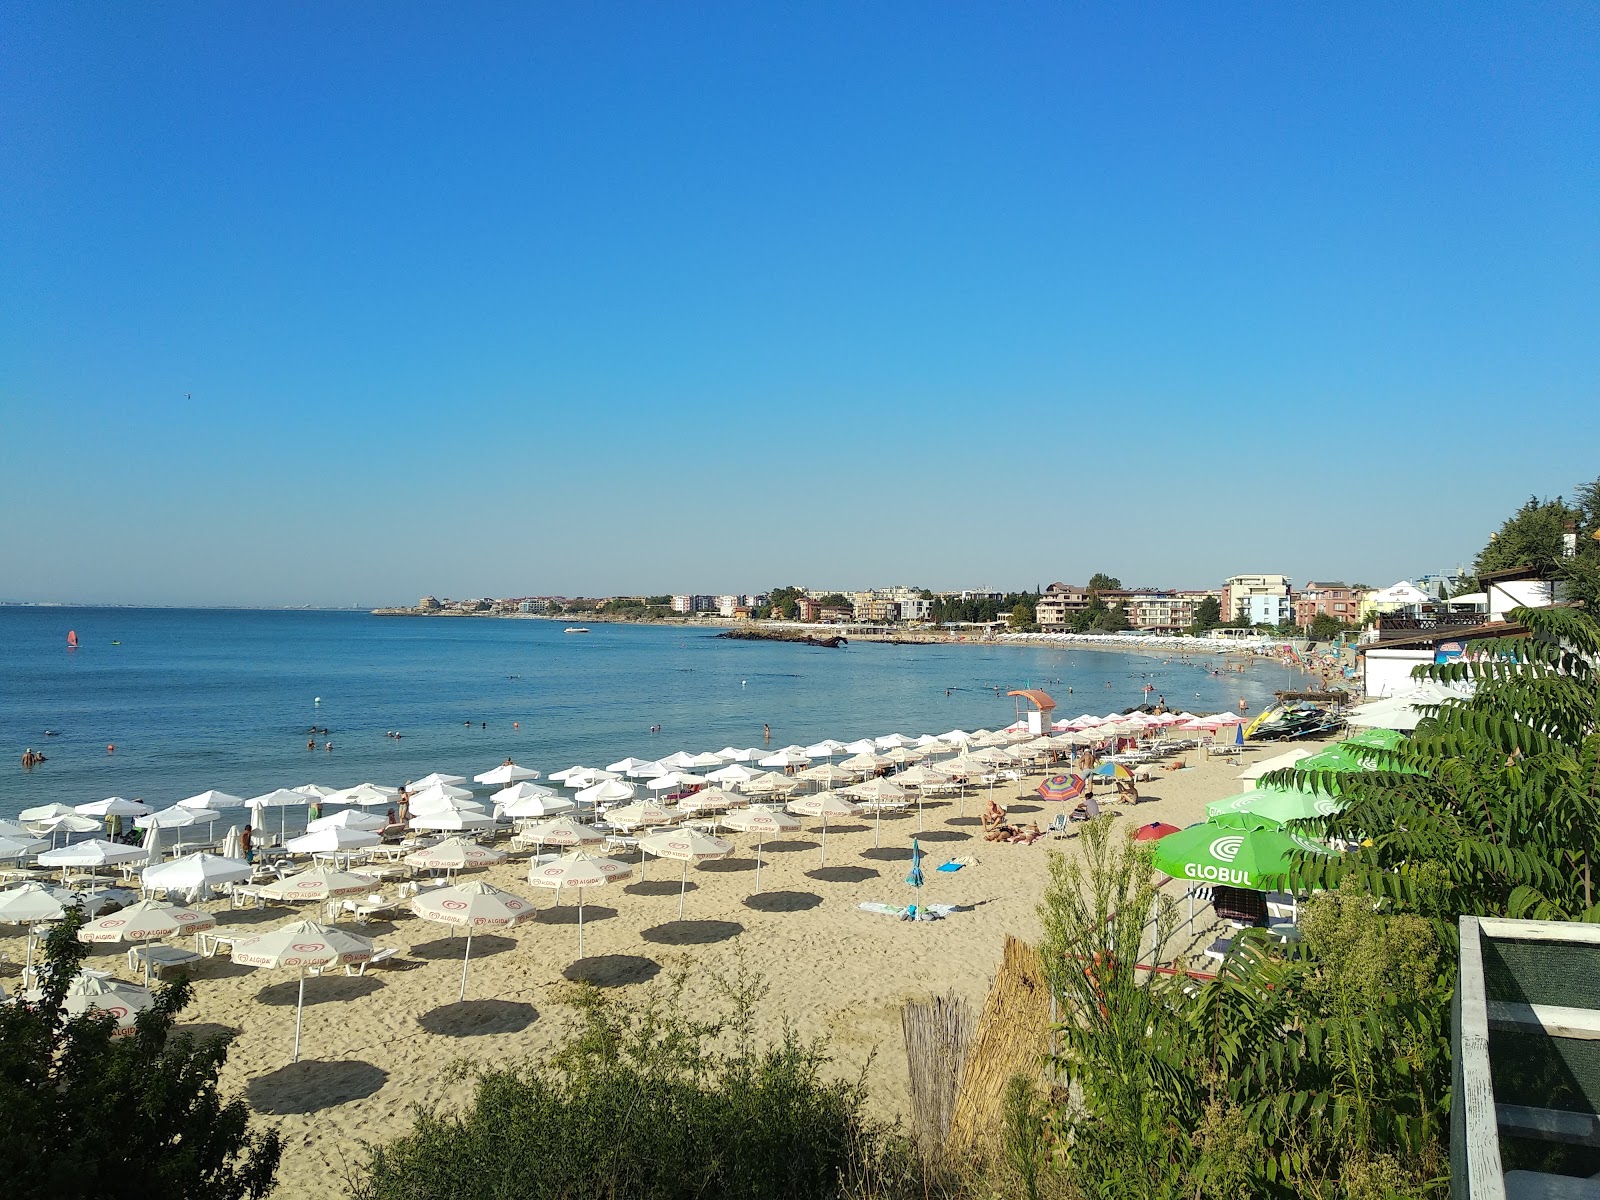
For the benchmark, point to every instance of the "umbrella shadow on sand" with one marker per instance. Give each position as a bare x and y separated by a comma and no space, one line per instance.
205,1031
475,1018
889,853
310,1085
944,835
691,933
217,967
782,902
656,887
1023,808
483,945
788,844
843,874
330,989
964,821
726,866
613,970
567,914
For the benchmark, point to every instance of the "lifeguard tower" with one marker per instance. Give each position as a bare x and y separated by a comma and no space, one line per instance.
1033,710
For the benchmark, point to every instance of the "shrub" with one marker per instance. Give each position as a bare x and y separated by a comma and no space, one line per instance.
650,1101
83,1114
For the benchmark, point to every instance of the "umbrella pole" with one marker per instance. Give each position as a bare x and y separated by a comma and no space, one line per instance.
759,843
465,959
877,828
580,923
684,888
824,860
299,1007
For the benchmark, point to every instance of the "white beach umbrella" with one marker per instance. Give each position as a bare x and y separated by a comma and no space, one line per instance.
607,791
865,761
92,992
733,773
435,780
332,839
194,871
523,791
366,795
318,885
439,796
282,799
69,822
892,741
675,779
154,851
826,748
93,853
454,820
44,812
537,807
770,784
710,800
749,755
112,806
565,773
146,921
1278,762
12,829
787,757
700,762
588,777
928,741
645,812
650,770
177,817
475,907
686,846
681,761
505,773
922,776
315,791
350,818
763,822
563,831
903,755
302,945
861,746
33,904
956,737
453,854
881,794
824,805
213,800
21,847
628,765
581,871
827,774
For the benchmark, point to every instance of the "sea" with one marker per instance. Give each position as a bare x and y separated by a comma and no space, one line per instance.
160,704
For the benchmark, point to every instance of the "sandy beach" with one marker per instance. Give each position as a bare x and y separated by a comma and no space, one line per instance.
375,1046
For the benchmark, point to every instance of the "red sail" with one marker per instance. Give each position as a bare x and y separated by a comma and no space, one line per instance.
72,639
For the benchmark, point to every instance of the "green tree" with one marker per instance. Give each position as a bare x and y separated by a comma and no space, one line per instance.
1021,616
1326,626
84,1114
784,602
1101,582
1207,615
837,600
1530,537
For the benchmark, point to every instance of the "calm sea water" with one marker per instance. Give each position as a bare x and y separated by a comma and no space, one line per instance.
197,699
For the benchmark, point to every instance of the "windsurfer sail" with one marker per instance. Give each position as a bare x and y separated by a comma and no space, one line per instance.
72,639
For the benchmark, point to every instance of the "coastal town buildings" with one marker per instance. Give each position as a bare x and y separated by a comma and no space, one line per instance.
1257,600
1340,601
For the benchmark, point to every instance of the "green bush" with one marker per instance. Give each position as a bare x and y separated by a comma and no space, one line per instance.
83,1114
650,1101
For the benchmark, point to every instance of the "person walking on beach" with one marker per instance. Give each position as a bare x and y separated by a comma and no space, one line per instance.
247,844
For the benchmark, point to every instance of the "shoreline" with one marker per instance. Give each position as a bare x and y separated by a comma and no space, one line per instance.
1132,643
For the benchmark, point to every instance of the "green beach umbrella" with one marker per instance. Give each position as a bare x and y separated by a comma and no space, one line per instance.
1237,849
1334,758
1378,739
1276,804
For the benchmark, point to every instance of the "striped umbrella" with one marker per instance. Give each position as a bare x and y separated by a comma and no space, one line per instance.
1062,787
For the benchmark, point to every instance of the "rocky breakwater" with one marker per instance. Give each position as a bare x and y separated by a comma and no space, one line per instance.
829,641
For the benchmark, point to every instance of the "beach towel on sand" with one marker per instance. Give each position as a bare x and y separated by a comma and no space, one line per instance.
931,912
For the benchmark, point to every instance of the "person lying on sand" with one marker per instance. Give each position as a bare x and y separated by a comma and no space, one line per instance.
1026,837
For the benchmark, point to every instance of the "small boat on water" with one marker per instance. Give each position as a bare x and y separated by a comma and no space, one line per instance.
576,629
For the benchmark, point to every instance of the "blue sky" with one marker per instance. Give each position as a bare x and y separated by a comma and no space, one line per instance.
499,299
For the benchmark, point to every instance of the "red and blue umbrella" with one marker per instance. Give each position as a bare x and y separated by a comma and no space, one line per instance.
1061,787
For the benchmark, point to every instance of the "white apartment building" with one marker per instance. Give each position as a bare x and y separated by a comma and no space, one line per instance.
1257,600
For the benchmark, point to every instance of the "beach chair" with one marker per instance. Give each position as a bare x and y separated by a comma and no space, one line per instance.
380,954
1218,950
1058,827
375,905
160,957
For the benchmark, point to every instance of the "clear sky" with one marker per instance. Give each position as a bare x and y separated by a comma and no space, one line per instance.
348,303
